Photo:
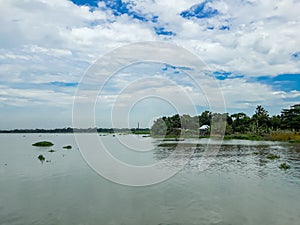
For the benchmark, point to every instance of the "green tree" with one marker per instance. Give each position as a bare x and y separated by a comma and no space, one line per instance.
186,121
241,122
290,118
159,127
218,123
173,124
261,120
205,118
275,122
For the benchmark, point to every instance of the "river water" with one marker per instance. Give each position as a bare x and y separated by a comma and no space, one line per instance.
242,186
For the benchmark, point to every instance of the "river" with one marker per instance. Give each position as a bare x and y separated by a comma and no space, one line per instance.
241,186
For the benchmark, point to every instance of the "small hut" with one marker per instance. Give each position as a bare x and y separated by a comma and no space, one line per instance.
203,129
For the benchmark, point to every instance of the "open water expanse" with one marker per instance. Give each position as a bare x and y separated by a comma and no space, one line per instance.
241,187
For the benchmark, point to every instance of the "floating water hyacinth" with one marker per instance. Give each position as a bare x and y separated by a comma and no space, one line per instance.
41,158
43,144
273,156
284,166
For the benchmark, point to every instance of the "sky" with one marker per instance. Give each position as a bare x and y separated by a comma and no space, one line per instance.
251,47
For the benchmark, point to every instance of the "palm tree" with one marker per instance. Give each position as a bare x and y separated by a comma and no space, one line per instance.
261,119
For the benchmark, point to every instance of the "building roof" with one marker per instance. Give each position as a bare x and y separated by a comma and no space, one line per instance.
204,127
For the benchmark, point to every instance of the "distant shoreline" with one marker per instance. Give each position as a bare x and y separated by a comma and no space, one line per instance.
292,137
77,130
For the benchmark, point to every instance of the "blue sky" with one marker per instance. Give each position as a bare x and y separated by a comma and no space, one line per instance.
251,47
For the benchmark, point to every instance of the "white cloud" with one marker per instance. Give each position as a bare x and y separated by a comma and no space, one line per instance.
261,39
33,97
49,51
242,95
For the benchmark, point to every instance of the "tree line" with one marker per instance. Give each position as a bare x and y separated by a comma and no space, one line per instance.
80,130
259,123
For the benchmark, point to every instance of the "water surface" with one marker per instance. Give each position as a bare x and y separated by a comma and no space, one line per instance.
240,187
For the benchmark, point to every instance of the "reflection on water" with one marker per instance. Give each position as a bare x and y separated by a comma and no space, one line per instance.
241,186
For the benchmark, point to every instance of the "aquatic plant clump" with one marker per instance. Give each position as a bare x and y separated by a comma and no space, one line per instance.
273,156
67,147
43,144
284,166
41,158
51,150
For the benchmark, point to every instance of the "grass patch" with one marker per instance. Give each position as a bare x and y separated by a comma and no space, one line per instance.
294,141
43,144
141,132
249,137
284,166
202,136
67,147
289,136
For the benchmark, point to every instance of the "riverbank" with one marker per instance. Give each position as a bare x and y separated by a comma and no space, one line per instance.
284,137
291,137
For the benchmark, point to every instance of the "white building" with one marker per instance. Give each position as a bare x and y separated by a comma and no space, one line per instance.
204,128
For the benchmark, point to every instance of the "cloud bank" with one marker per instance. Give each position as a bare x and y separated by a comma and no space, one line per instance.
252,47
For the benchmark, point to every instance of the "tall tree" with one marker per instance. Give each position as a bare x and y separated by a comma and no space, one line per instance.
261,119
205,118
159,127
218,123
241,122
275,122
291,118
